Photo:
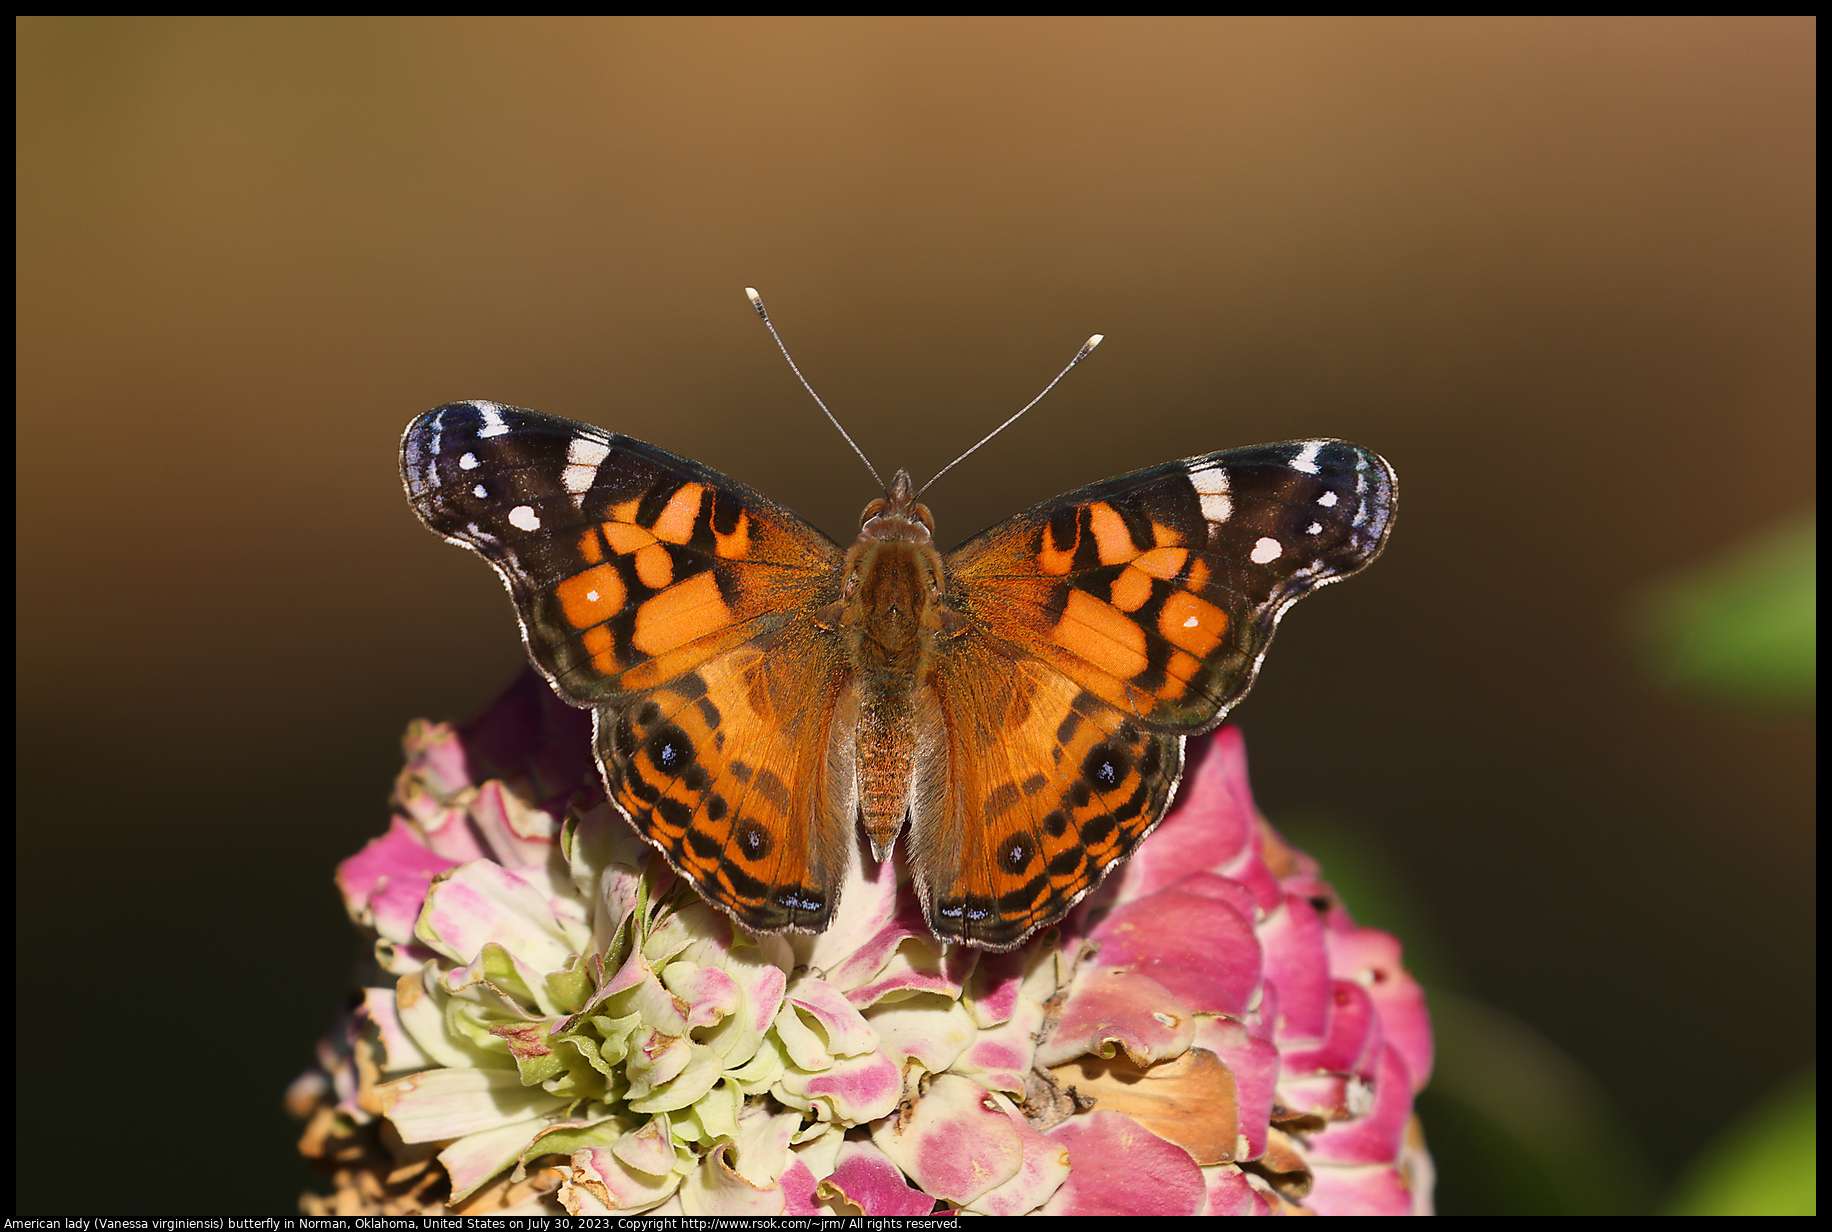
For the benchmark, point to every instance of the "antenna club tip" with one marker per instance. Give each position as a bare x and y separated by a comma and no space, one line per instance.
1092,342
756,302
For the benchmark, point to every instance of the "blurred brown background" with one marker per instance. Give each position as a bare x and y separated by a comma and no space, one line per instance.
1560,272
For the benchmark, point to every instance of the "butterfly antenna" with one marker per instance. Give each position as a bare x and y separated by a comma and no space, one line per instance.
757,303
1080,355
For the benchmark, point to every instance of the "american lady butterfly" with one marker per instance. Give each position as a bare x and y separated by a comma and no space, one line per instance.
1020,703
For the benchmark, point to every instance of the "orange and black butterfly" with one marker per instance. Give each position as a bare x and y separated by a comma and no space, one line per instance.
1019,703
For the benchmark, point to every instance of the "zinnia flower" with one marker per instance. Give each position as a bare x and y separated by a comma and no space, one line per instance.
553,1022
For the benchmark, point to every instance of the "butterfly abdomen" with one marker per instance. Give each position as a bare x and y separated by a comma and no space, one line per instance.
892,627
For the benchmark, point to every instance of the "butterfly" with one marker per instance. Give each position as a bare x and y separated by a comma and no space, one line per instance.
1019,704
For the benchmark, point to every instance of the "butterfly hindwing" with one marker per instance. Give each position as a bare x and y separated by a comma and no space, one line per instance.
671,600
1035,790
1159,591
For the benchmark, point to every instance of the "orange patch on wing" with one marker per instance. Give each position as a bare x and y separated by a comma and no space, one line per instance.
1102,635
592,597
1131,589
1164,563
1111,538
1199,575
626,537
1194,624
1164,536
625,512
681,614
603,649
1052,561
591,546
675,525
654,567
1179,670
737,545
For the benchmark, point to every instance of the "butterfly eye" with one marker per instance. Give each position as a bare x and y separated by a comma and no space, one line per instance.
873,510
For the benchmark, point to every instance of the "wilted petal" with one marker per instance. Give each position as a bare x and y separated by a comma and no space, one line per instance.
1189,1100
602,1183
1118,1169
1001,1057
1353,1042
1254,1063
956,1142
1111,1008
396,1051
398,857
842,1030
516,834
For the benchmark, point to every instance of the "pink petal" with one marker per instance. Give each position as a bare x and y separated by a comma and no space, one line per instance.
865,1178
855,1089
956,1142
1354,1040
397,856
1379,1190
1116,1168
1375,1138
1371,959
1230,1193
1297,963
1197,946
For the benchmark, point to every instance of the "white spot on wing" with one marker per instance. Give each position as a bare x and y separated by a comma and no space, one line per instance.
523,517
591,596
1306,460
1266,551
1328,500
1315,528
480,492
583,456
493,424
1191,623
1211,484
469,462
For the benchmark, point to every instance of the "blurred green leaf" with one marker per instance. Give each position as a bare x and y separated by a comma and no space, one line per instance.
1764,1164
1516,1127
1742,627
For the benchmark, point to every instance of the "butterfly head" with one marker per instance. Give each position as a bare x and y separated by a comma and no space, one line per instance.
897,515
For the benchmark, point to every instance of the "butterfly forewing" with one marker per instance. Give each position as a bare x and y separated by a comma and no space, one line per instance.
627,564
1159,591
